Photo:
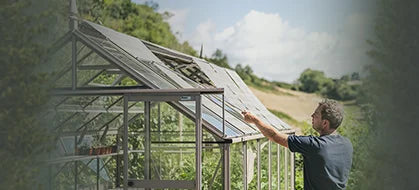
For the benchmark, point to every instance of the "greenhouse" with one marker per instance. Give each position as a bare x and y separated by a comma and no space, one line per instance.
131,114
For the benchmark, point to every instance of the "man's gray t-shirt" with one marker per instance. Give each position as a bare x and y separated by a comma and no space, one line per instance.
327,160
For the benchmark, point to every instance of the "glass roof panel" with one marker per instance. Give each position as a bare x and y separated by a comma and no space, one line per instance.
214,120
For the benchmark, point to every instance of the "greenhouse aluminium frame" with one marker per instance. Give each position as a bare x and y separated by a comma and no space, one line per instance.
148,95
173,77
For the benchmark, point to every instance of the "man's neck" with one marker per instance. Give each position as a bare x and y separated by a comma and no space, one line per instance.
329,132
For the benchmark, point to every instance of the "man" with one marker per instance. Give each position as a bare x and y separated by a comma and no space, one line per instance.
327,158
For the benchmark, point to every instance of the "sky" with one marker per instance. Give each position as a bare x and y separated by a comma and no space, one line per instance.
279,39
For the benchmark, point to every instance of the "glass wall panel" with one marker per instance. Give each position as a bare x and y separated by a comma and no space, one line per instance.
86,174
62,176
236,166
284,168
212,167
264,143
172,144
252,165
274,165
62,66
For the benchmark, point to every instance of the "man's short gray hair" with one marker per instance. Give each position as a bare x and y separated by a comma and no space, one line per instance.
332,111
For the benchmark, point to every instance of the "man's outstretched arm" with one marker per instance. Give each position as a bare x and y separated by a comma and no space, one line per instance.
267,130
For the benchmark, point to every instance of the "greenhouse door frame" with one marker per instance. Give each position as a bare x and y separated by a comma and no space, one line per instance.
148,183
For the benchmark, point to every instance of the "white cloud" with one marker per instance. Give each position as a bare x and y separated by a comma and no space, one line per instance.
278,51
177,22
204,34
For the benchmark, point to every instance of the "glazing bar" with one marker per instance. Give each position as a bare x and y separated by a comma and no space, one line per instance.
198,140
125,143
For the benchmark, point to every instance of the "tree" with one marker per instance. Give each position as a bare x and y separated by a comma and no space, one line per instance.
345,78
245,73
220,59
26,137
391,91
355,76
340,90
312,80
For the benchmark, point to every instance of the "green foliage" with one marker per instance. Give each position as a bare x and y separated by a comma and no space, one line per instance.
236,166
391,92
245,73
29,28
285,85
341,90
355,76
355,127
313,81
219,58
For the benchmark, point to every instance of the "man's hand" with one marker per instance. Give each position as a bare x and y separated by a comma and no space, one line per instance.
267,130
250,118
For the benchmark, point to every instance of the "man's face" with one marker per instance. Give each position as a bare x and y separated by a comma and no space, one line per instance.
316,120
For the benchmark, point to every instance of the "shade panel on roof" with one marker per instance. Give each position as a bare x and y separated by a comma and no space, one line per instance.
242,126
151,72
172,75
256,102
252,100
132,45
129,63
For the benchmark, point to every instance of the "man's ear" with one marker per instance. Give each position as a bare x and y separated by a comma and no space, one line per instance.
325,123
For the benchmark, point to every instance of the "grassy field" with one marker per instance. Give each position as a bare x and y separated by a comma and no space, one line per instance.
295,104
